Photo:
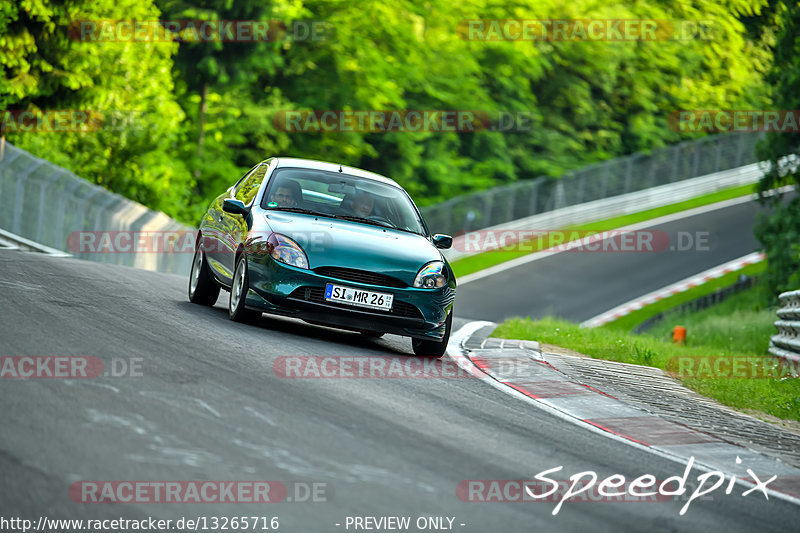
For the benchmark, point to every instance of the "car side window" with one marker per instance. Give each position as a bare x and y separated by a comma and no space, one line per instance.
247,190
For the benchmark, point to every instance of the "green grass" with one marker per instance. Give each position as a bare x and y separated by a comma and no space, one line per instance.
630,321
774,396
478,262
740,324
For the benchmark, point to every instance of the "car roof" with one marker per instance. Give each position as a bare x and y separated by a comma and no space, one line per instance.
290,162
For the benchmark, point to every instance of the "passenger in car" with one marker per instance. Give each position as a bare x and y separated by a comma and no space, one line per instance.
363,202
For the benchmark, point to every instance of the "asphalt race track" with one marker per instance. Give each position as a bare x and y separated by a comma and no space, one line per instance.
579,285
207,405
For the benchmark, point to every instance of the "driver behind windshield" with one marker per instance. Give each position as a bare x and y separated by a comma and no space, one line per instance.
286,194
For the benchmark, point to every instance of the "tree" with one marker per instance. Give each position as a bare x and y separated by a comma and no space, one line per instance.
779,232
46,67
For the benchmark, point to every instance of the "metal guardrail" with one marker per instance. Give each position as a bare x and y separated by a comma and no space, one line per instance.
703,302
45,203
624,204
615,177
786,344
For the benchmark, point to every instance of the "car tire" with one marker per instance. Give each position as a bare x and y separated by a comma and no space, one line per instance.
203,289
425,348
239,287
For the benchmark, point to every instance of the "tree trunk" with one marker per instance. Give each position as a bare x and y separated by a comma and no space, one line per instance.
201,134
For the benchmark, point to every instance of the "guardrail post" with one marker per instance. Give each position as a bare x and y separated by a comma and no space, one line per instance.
740,149
488,200
628,173
534,206
43,204
786,344
676,162
15,226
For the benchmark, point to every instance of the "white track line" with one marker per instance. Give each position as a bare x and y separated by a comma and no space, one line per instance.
675,288
535,256
16,242
454,351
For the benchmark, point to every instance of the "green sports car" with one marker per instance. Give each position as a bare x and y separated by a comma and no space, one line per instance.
328,244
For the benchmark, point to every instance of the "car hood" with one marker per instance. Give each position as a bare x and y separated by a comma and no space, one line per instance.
341,243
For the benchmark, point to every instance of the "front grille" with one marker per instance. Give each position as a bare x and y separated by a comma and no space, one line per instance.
317,294
360,276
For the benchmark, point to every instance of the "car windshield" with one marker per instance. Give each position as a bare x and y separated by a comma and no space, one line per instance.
337,195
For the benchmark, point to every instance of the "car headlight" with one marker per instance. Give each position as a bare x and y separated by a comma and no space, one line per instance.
430,276
285,250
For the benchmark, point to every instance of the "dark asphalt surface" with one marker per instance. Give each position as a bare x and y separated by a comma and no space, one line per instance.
208,406
580,285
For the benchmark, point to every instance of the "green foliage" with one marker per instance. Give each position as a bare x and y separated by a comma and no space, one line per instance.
630,321
127,83
779,231
779,234
740,324
206,109
770,393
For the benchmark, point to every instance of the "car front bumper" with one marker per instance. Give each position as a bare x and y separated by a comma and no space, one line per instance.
290,291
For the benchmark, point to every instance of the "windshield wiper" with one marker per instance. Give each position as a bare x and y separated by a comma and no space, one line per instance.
379,223
297,210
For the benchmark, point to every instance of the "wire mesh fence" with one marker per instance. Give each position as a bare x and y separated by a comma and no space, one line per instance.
610,178
46,203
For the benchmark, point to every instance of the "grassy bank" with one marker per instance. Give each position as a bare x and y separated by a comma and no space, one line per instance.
742,324
633,319
480,261
739,329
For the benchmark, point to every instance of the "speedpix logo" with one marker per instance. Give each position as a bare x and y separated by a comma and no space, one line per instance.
589,487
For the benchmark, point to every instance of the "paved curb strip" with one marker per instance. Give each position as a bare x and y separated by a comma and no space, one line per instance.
524,372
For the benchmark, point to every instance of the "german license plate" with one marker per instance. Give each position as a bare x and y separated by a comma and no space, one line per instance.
358,297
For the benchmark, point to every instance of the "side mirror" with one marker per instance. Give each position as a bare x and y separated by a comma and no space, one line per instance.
442,241
235,207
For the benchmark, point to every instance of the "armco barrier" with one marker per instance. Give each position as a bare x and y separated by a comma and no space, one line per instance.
45,203
703,302
636,172
623,204
786,344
